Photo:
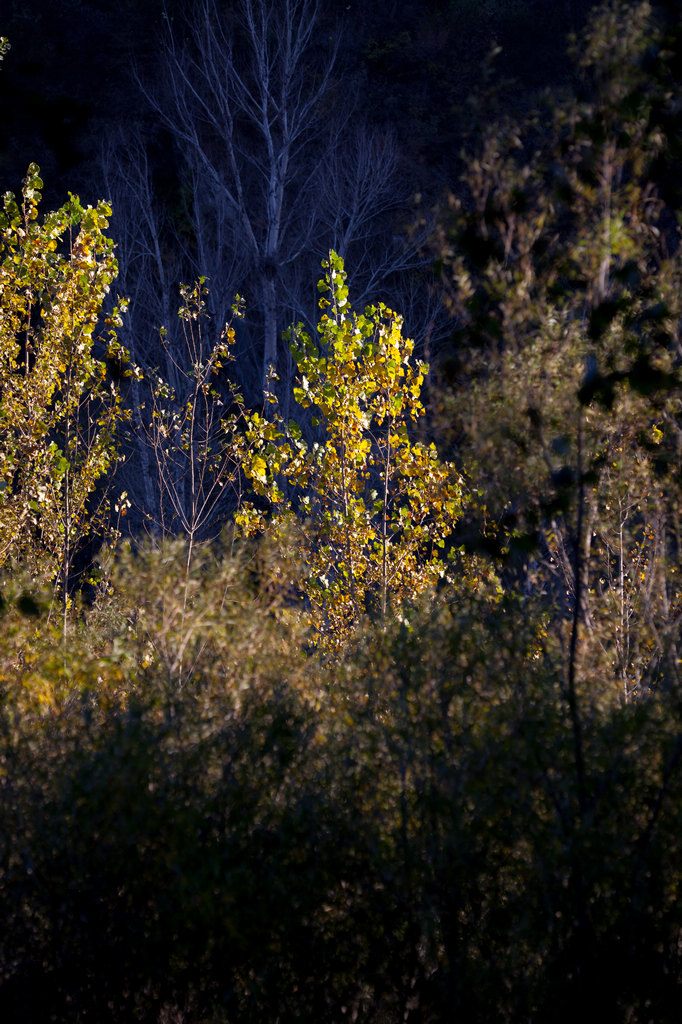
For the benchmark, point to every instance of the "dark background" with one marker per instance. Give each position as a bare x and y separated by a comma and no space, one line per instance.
68,78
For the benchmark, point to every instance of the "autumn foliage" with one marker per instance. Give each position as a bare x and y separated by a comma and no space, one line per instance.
375,507
59,411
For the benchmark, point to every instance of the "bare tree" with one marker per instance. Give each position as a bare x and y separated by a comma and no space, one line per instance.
263,122
177,472
243,116
194,432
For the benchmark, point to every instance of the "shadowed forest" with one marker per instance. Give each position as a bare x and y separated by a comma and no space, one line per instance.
340,493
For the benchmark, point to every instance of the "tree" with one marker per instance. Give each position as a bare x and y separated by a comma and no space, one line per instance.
59,411
562,264
153,261
194,431
375,507
274,175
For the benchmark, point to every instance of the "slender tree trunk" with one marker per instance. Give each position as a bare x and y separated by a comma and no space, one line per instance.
151,497
269,324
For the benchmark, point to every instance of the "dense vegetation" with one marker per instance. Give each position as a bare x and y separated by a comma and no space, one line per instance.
342,725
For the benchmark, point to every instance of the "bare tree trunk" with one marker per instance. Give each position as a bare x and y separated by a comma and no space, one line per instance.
269,326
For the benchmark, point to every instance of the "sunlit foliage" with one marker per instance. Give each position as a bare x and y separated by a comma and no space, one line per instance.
59,410
374,506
